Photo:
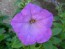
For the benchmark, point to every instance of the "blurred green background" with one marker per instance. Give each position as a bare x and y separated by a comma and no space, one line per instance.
8,39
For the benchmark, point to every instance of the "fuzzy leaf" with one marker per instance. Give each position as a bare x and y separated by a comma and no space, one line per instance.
16,43
56,31
48,45
55,40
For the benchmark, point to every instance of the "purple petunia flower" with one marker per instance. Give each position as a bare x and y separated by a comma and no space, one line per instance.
33,24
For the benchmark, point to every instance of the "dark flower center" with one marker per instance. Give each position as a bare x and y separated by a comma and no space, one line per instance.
32,21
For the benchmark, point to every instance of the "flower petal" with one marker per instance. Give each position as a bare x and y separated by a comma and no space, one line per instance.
16,27
44,14
30,33
20,18
44,36
35,9
26,10
25,35
46,22
27,40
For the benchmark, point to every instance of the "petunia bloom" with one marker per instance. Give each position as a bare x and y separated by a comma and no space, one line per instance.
33,24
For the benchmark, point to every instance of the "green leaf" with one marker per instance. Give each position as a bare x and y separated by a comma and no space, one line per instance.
63,45
33,47
57,25
56,18
28,1
55,40
3,17
62,14
56,31
16,43
62,36
63,21
48,45
21,5
54,47
2,37
2,30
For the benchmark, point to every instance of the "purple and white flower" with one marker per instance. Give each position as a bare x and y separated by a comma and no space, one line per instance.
33,24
